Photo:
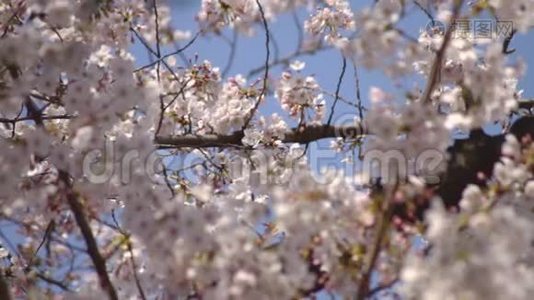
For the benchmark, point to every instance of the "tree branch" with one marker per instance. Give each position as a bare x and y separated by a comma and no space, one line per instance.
336,97
382,230
527,104
295,135
435,70
266,70
44,117
4,287
92,247
52,281
286,60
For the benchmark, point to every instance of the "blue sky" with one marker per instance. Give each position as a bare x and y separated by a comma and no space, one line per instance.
325,65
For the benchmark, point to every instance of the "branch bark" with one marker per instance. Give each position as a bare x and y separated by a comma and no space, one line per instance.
295,135
382,230
79,215
527,104
433,78
4,287
92,247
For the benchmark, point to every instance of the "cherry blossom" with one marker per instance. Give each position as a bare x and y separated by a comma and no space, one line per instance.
178,177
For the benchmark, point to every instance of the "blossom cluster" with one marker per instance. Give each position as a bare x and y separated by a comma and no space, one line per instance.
330,20
300,95
231,209
214,15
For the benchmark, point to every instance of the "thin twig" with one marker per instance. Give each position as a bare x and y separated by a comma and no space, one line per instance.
53,281
177,51
231,56
338,88
156,23
20,8
48,232
287,59
358,90
300,33
266,71
424,10
506,43
359,104
158,67
153,52
341,98
276,49
382,287
166,179
132,259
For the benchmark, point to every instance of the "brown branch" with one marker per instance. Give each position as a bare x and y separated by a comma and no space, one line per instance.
44,118
52,281
4,287
231,55
132,257
33,112
440,54
177,51
303,135
382,287
92,247
425,11
336,96
154,53
286,60
506,43
78,210
382,230
266,69
526,104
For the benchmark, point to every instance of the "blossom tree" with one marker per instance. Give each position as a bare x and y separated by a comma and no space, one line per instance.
94,206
